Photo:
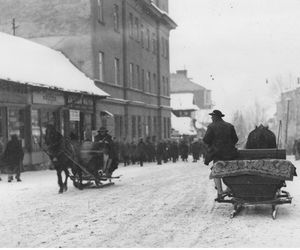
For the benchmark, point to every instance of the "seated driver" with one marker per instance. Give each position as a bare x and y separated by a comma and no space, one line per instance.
221,139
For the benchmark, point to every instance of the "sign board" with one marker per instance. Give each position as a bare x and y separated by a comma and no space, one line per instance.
74,115
48,97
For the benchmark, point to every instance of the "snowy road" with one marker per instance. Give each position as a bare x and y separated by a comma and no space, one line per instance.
155,206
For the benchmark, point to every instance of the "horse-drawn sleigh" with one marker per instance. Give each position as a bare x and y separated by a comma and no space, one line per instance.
258,174
91,163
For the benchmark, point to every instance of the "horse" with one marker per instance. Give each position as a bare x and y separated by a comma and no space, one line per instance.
61,153
261,137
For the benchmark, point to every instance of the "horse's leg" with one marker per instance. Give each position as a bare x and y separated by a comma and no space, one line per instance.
60,183
66,179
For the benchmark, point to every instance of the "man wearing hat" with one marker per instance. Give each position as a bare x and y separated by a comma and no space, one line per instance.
103,136
221,139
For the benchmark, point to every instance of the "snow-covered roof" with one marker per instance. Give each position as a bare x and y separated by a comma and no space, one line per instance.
183,101
183,125
30,63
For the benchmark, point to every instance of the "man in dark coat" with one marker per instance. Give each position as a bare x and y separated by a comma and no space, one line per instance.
184,150
125,152
220,138
160,151
13,156
196,148
104,137
174,151
141,151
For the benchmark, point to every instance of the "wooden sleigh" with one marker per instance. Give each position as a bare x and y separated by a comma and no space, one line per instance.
255,178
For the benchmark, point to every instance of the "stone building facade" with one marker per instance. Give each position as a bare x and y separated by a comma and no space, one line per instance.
122,44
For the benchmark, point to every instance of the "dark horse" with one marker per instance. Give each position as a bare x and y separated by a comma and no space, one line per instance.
61,153
261,137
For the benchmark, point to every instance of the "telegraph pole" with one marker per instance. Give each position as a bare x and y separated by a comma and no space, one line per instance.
14,27
287,121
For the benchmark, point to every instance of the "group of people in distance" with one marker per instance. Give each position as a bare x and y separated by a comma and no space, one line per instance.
161,152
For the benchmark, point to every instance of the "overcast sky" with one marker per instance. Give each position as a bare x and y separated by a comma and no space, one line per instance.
241,43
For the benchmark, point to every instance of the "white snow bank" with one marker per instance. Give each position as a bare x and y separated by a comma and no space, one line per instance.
27,62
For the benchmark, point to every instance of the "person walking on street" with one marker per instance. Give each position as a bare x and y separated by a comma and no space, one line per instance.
13,156
221,139
141,152
195,148
160,152
184,150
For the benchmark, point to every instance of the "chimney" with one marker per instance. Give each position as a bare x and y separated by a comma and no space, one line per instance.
182,72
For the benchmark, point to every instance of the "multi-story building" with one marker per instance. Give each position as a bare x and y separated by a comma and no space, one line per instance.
122,44
194,95
288,118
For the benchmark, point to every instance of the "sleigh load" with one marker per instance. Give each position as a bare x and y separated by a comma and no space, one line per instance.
256,177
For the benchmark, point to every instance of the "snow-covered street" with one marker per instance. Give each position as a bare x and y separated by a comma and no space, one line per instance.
171,205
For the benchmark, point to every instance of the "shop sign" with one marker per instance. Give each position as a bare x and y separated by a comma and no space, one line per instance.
74,115
48,97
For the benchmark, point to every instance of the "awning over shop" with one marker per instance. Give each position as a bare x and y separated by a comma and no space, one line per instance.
26,62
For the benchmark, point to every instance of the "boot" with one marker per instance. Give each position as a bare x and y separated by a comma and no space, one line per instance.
10,178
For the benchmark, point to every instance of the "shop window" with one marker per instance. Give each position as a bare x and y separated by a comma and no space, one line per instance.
36,129
16,125
139,127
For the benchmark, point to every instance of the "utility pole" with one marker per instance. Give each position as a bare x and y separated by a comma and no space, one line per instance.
14,27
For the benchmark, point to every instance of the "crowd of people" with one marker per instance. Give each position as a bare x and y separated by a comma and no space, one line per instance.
131,153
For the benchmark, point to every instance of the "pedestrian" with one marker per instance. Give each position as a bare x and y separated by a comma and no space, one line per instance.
13,156
141,152
160,152
221,139
132,150
195,148
184,150
125,152
174,151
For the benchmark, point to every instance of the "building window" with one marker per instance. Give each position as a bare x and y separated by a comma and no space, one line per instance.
148,39
148,82
116,18
142,86
163,86
131,24
167,49
162,47
118,126
131,75
117,71
154,84
100,11
154,43
133,126
167,87
149,132
155,126
165,127
139,126
137,29
101,66
137,85
142,36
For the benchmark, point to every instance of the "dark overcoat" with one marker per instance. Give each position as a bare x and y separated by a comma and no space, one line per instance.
221,138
